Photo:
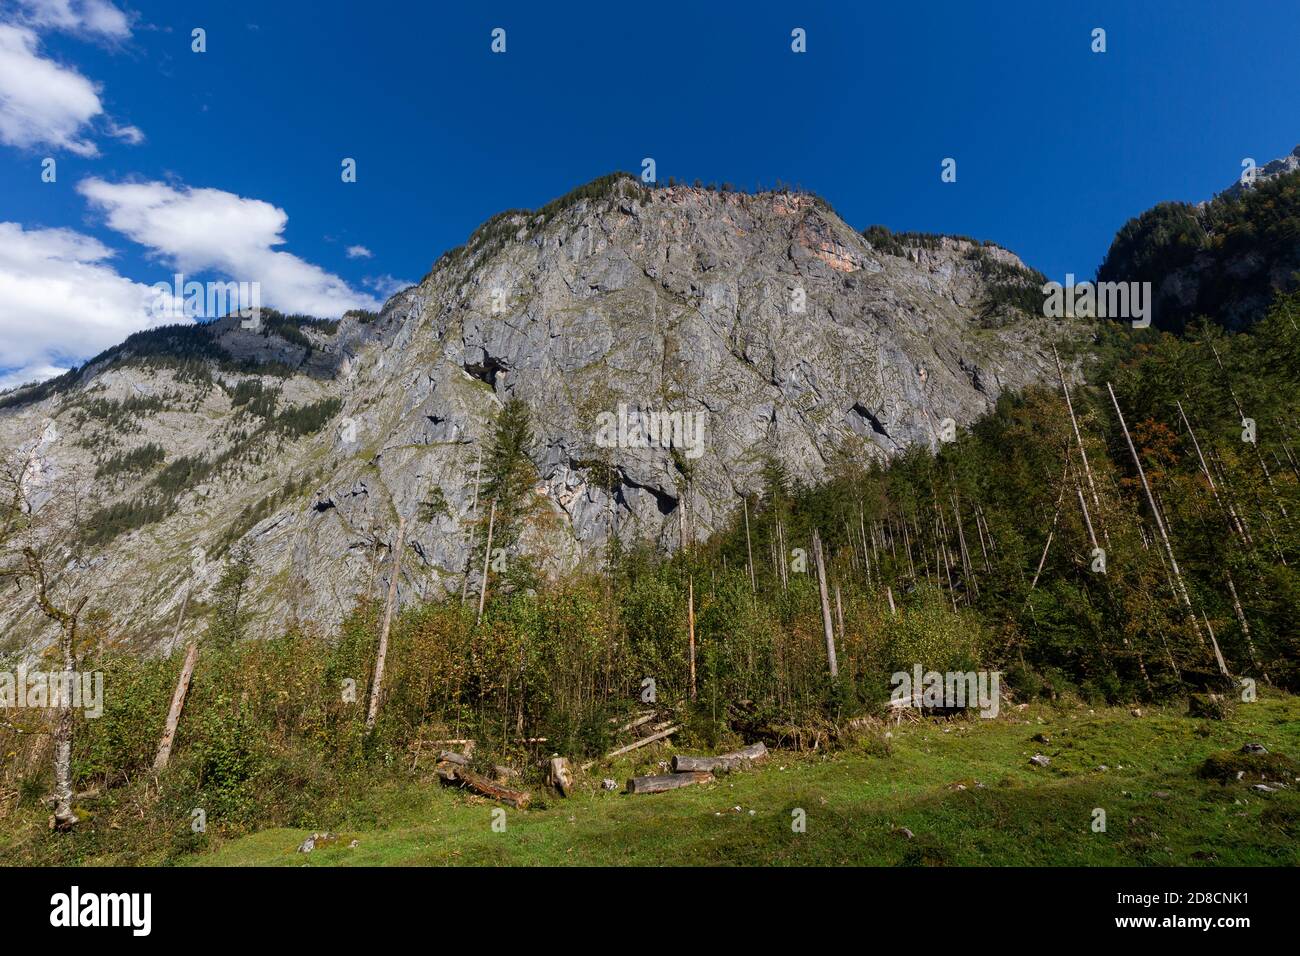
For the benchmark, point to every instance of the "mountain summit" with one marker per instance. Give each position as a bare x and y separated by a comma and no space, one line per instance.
764,321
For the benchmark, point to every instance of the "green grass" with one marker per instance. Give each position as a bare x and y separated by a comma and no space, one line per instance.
857,804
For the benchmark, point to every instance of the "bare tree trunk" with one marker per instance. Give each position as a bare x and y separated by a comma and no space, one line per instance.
178,696
1051,533
1181,588
749,551
1268,477
967,565
1234,523
839,612
487,559
473,528
690,620
1083,454
377,685
64,817
941,528
907,544
1087,518
979,531
826,604
1245,628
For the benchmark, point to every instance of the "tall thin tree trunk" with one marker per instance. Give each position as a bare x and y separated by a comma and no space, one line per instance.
178,696
1268,477
690,620
1227,510
749,552
487,559
64,817
1245,628
473,528
1181,589
377,685
826,605
1083,454
839,612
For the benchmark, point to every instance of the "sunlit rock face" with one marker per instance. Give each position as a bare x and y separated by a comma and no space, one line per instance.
763,322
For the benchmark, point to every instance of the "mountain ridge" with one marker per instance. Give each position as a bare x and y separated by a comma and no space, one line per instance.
676,298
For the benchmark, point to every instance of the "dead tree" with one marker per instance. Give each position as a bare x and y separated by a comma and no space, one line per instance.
487,558
377,685
826,604
178,696
749,551
1181,588
64,817
1083,453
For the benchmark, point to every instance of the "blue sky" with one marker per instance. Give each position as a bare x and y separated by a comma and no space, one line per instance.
228,161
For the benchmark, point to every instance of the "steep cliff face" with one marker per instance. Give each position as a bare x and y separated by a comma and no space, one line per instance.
764,320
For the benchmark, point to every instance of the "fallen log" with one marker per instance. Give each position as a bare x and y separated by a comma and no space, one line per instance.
459,776
667,781
634,723
633,746
724,762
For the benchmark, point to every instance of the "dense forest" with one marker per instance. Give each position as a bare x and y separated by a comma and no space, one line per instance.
1225,258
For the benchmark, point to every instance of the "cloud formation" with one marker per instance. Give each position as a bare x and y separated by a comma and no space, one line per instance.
61,302
44,103
41,102
199,230
98,17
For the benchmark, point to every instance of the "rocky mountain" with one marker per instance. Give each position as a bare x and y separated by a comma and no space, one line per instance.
1224,259
766,320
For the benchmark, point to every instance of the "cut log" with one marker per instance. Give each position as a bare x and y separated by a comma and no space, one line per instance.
560,775
731,761
667,781
633,746
484,787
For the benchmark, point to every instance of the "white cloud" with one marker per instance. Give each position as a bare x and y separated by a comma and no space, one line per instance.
41,102
128,134
386,285
60,302
195,230
91,16
359,252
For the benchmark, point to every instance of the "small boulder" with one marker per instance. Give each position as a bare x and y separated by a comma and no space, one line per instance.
1038,760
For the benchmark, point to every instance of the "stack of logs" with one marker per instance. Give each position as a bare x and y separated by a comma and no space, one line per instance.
453,769
692,770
